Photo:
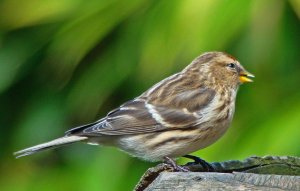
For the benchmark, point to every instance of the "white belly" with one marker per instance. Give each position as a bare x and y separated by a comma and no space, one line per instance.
174,144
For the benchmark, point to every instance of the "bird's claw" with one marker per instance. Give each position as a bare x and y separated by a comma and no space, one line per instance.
206,166
177,168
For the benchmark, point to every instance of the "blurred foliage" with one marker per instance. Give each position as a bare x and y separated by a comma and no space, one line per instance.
64,63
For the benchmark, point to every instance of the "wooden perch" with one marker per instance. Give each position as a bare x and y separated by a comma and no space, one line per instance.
253,173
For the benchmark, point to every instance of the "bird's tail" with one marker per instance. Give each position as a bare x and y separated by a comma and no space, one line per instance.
49,145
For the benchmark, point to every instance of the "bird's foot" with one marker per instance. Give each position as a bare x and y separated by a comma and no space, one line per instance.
176,167
206,166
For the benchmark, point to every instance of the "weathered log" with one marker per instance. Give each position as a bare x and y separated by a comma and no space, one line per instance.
253,173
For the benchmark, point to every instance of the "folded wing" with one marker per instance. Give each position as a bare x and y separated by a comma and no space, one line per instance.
141,116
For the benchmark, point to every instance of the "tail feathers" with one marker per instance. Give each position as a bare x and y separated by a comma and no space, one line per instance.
49,145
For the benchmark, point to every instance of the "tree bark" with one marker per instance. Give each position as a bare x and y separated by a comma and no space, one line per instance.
253,173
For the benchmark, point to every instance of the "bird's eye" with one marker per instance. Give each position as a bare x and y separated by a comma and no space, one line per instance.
231,65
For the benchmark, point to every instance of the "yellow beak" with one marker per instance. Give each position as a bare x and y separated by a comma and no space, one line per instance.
246,77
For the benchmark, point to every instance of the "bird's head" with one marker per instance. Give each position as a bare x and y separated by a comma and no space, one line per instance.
219,68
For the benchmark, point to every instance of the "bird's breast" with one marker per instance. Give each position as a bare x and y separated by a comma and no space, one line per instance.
219,111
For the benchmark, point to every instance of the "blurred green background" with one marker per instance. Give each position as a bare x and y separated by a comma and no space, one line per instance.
64,63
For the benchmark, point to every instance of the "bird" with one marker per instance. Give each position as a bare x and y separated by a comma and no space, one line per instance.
181,114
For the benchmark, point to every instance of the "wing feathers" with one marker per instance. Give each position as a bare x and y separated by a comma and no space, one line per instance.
139,116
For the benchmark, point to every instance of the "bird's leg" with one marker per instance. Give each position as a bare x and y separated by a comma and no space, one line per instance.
206,166
176,167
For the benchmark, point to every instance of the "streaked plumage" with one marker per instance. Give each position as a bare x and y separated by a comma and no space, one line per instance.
181,114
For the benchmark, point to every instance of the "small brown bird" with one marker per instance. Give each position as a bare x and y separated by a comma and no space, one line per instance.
183,113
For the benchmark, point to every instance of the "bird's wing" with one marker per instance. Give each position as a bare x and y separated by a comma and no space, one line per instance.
141,116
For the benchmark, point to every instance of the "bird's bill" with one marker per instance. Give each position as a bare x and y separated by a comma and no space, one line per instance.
246,77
